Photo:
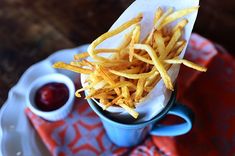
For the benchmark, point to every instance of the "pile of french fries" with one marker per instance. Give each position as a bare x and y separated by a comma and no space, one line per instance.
135,67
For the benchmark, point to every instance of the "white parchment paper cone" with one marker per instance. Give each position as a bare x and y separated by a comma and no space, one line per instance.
159,96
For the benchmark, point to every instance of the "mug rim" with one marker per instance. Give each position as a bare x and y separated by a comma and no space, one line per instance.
159,116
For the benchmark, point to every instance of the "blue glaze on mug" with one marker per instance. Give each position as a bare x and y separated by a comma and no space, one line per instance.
127,135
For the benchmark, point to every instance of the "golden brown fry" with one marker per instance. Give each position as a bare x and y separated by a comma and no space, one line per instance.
158,14
103,73
180,25
128,101
148,89
77,94
126,41
156,25
162,18
130,110
176,15
167,39
135,39
171,44
157,63
98,84
139,89
81,56
179,43
132,76
110,64
104,101
88,63
141,58
75,63
151,79
186,63
131,71
122,84
97,51
125,92
62,65
103,95
159,40
109,34
114,101
180,49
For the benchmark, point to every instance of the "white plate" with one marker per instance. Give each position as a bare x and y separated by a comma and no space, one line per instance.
17,136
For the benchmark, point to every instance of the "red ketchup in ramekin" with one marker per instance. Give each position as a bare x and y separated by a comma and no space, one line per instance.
51,96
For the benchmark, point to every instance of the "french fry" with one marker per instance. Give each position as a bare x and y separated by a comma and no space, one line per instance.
77,94
160,44
131,71
125,92
158,15
81,56
97,51
162,18
151,79
141,58
107,78
122,84
128,101
171,44
94,44
130,110
62,65
180,25
78,64
157,64
135,39
186,63
176,15
139,89
157,24
103,95
99,85
112,102
104,101
180,49
126,41
132,76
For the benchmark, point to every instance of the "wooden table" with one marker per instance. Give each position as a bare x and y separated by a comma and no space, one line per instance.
32,30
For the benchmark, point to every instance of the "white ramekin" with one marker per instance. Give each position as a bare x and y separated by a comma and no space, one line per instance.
59,113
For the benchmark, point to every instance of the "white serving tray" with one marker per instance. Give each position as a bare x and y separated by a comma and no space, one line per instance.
17,136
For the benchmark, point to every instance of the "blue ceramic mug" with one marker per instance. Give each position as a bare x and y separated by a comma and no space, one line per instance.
127,135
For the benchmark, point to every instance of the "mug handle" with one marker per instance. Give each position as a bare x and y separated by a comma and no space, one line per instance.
178,129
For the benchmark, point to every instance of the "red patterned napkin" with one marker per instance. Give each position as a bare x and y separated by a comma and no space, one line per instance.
210,95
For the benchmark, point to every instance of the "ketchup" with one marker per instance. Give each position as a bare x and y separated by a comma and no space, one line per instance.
51,96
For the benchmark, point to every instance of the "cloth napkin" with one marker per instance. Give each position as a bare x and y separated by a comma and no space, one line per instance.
210,95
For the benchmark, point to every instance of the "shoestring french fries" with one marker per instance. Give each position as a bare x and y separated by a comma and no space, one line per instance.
135,67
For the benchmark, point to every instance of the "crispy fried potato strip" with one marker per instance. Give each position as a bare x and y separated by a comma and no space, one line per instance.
62,65
166,78
135,39
130,110
186,63
97,51
132,76
176,15
94,44
139,89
